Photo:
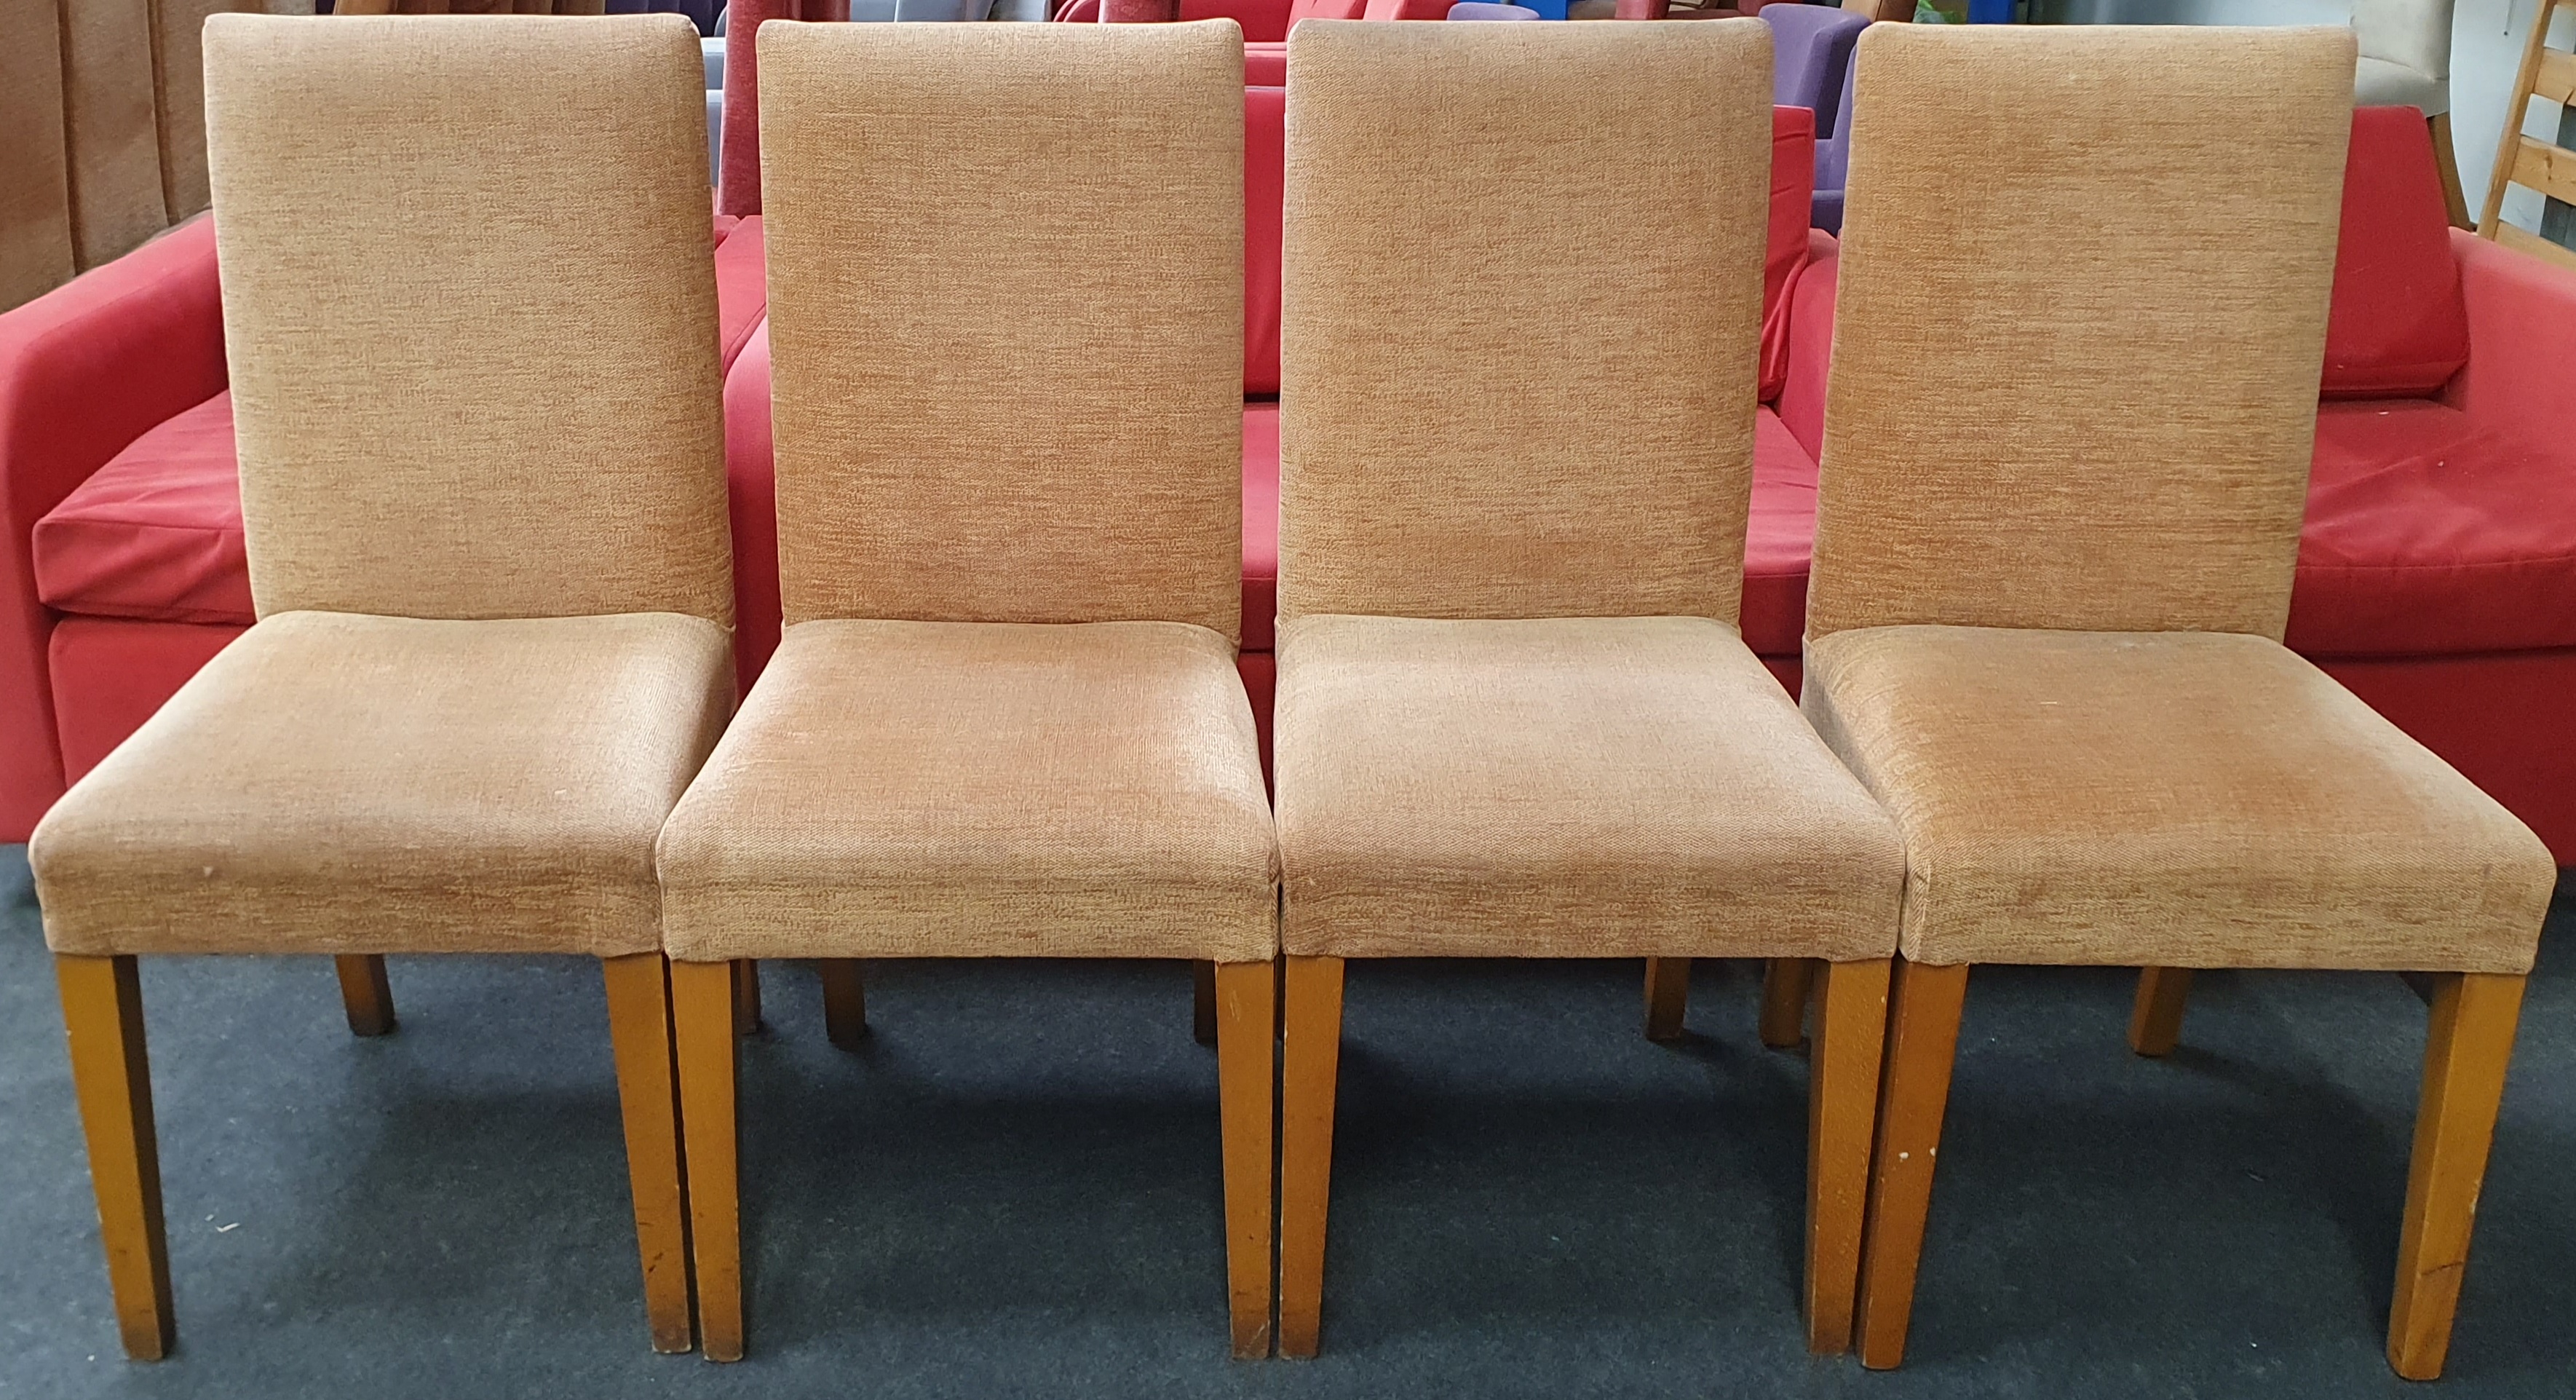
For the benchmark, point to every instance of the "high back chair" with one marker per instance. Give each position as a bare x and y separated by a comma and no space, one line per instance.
1514,716
483,482
1004,719
2550,75
2405,61
2051,579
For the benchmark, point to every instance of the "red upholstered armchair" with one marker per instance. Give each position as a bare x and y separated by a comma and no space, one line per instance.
2437,566
123,533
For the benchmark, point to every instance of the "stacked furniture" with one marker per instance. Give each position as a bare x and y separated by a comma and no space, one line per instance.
2548,74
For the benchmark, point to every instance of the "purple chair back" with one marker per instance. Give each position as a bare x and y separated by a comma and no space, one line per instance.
1811,46
1474,9
1833,157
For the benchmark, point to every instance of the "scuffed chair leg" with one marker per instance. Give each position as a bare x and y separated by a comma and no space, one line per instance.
2474,1018
1203,1001
845,1001
746,997
103,1014
1786,983
365,994
1311,1051
1842,1118
702,1021
2155,1021
639,1032
1667,997
1246,1058
1922,1043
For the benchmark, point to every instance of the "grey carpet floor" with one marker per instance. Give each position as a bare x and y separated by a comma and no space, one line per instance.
1012,1190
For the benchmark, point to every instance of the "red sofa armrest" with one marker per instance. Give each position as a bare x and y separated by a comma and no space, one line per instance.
84,370
2522,341
1811,344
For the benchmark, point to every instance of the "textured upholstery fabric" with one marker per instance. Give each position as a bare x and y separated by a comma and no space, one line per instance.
1566,787
35,193
156,533
111,674
1559,433
2378,83
2169,799
904,789
341,784
1013,439
474,397
179,99
2405,54
110,127
2118,500
2399,326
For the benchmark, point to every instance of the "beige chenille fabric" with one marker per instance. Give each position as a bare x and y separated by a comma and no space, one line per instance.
111,129
2084,283
2170,799
1520,315
903,789
179,99
341,784
1016,439
470,313
1569,787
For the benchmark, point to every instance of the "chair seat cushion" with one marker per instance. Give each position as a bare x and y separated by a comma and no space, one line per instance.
2428,533
928,789
2174,799
1570,787
331,783
156,534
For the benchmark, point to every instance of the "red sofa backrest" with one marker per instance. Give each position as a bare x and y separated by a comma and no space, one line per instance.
2399,327
1406,9
1263,21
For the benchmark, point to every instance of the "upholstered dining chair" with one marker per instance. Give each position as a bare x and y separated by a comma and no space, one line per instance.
1004,720
2045,618
482,480
2405,61
1515,718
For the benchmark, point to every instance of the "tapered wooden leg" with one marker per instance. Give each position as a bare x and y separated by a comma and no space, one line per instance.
702,1020
103,1013
1311,1054
746,997
845,1001
1667,997
1786,983
1842,1118
365,994
1247,1046
2155,1021
2474,1016
2447,162
648,1093
1922,1041
1203,1001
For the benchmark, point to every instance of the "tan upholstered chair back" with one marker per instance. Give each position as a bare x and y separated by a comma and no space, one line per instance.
2081,324
35,189
966,432
1521,307
473,343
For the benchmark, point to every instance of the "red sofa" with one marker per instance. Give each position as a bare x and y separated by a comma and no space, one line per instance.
2437,567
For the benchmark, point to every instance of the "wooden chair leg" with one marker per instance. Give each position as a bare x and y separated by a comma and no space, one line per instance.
112,1077
2474,1017
2447,161
365,994
1247,1046
746,997
703,1007
2155,1020
1786,983
1922,1042
1842,1118
1203,1001
845,1001
1667,997
1311,1054
648,1094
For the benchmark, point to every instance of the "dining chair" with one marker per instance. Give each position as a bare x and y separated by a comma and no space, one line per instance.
476,395
1004,719
2405,61
2057,519
1514,716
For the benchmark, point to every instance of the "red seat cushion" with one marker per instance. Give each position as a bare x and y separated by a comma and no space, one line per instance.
2427,535
2399,325
1779,539
1260,525
155,534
